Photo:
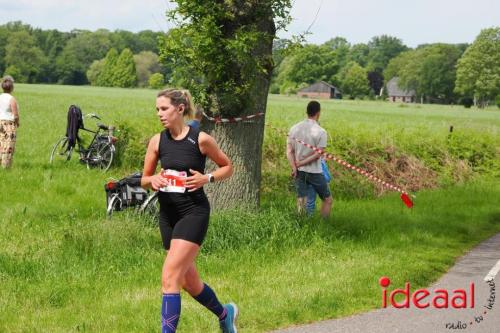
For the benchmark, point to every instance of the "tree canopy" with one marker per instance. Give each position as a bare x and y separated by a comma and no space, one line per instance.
222,48
23,58
64,57
215,49
429,70
478,71
354,80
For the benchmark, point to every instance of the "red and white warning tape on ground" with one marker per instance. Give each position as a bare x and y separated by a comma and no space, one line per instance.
405,197
218,120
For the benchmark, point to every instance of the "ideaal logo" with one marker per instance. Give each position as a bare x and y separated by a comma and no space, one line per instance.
440,299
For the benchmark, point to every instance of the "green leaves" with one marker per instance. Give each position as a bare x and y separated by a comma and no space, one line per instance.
23,57
429,70
220,50
114,70
478,71
354,80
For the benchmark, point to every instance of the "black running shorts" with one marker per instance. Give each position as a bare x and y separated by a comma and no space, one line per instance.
185,220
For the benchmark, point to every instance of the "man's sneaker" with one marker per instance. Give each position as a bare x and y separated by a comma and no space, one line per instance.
228,325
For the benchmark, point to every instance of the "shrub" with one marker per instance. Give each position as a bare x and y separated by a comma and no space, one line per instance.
16,74
131,146
274,88
288,88
156,81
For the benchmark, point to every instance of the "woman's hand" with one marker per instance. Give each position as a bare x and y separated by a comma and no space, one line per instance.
195,181
158,181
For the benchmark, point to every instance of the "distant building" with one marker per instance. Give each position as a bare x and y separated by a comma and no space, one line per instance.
320,89
396,94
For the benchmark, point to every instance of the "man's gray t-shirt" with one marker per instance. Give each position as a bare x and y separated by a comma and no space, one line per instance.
310,132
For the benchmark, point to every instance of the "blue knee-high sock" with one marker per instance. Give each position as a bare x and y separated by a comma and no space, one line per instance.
208,299
170,312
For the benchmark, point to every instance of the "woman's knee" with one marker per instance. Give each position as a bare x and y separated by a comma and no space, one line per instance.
172,278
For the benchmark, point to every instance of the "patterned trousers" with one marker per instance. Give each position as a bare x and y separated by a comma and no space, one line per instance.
7,142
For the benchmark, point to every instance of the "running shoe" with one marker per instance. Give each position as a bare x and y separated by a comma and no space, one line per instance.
228,325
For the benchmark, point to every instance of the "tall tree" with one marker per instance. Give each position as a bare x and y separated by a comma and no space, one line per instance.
382,50
354,80
95,71
396,64
125,75
52,43
106,78
307,65
359,53
146,64
478,71
79,53
22,53
5,31
226,48
340,47
147,40
431,72
122,39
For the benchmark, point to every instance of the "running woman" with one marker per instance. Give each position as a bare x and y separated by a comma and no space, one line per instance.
184,207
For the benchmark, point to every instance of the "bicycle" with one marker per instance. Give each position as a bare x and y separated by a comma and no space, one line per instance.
127,192
98,154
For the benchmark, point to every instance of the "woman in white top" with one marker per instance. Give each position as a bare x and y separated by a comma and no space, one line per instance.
9,122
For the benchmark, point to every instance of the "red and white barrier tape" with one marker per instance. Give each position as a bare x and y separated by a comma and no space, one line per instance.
218,120
405,196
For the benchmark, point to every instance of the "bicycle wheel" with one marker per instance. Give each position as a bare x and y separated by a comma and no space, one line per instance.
101,156
61,151
150,209
115,203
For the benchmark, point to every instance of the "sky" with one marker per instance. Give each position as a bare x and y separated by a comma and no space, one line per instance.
415,22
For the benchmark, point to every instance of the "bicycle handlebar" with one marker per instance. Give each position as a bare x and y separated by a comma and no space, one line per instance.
102,126
93,115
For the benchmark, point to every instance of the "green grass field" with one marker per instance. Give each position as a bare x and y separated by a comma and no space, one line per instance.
64,267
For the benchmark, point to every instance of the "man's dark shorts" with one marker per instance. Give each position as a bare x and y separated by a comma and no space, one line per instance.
318,182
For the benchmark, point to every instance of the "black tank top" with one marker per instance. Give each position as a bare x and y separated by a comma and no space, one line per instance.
183,154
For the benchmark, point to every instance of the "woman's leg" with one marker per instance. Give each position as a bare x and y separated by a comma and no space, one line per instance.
180,257
7,143
202,293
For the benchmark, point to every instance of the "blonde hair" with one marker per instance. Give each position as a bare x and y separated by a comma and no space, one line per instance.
180,96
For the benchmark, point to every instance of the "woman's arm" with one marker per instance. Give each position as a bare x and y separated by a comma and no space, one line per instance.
15,110
149,179
209,147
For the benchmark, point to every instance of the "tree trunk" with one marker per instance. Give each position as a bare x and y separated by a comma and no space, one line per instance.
242,141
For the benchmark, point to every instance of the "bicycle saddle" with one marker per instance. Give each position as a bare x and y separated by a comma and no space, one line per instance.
102,126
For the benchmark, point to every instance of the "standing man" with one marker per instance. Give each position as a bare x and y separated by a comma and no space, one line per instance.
305,162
